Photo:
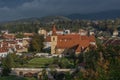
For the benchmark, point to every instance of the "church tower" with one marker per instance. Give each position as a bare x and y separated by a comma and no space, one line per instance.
53,40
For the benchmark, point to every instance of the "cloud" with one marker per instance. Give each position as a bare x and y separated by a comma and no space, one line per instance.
37,8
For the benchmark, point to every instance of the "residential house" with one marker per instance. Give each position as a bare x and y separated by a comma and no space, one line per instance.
3,52
28,34
115,33
11,46
42,32
83,32
47,43
8,36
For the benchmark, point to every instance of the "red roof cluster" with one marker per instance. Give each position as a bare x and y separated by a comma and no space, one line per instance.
3,50
11,44
8,36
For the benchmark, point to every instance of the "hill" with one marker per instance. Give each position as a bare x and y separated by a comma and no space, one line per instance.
32,24
112,14
45,20
52,19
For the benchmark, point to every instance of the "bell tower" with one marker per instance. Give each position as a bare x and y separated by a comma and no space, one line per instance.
53,40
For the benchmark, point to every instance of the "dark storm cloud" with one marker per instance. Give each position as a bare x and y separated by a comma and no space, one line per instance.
12,3
16,9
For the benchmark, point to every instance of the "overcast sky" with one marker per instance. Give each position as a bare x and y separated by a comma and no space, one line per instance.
17,9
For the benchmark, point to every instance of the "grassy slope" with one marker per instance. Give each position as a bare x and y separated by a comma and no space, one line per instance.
39,62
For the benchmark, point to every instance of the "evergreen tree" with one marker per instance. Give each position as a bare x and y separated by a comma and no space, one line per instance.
7,64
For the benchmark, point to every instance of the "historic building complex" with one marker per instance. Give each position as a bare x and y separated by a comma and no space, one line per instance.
61,42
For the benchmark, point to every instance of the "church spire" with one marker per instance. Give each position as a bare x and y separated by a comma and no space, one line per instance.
54,30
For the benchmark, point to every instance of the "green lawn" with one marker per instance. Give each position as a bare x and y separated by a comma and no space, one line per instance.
16,78
47,62
39,62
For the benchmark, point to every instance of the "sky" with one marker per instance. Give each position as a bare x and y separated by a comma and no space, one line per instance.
19,9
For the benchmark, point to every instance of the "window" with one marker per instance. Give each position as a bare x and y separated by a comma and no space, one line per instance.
53,39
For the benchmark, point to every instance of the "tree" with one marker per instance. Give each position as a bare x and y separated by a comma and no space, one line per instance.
19,35
37,43
44,75
7,64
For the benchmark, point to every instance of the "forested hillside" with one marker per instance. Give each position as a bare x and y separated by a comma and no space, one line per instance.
33,24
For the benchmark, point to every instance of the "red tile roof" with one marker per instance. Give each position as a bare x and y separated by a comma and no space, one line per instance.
3,50
12,44
8,36
84,43
68,41
69,37
84,37
65,45
92,38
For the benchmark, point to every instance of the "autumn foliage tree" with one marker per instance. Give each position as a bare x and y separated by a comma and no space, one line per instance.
36,43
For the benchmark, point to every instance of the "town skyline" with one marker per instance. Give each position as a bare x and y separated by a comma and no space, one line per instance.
59,39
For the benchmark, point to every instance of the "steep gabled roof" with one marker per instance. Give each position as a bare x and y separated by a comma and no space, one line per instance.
68,41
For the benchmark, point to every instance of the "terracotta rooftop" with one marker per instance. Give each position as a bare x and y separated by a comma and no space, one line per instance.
68,41
3,50
8,36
